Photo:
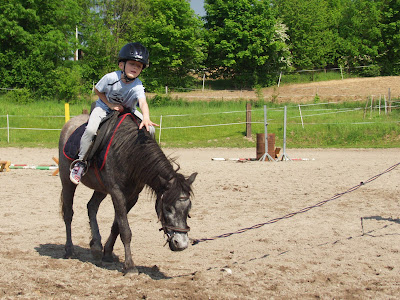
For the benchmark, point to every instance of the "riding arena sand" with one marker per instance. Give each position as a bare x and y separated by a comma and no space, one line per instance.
345,243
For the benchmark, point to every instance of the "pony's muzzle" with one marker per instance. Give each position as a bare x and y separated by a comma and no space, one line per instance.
178,241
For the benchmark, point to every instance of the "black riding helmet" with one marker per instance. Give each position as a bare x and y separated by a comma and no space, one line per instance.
134,51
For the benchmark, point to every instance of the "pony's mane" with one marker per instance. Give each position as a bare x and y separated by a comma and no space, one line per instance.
148,162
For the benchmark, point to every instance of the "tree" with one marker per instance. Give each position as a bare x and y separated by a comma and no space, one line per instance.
174,37
168,28
37,37
245,41
310,28
390,29
360,34
106,26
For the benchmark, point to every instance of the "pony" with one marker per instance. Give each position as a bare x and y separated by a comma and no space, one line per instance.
134,160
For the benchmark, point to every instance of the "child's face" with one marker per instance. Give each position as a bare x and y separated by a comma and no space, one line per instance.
132,68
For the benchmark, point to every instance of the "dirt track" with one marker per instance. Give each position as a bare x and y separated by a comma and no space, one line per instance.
334,90
321,253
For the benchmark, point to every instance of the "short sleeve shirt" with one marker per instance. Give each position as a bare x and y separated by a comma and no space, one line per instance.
116,91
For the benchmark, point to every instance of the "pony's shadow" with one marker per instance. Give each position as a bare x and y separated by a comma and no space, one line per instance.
56,251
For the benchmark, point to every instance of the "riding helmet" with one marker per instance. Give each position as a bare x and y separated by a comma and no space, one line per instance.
134,51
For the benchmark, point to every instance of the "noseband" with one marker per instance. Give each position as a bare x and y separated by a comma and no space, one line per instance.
170,231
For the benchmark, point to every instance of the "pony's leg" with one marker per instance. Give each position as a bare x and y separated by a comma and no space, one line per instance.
109,245
67,200
93,207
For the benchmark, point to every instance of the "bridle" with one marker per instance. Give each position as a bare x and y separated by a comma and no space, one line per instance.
170,231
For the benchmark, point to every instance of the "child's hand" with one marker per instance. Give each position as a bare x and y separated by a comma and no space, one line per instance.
147,123
117,107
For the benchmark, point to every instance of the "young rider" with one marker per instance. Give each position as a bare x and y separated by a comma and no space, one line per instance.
117,90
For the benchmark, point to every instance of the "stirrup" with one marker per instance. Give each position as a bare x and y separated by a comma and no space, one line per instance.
85,168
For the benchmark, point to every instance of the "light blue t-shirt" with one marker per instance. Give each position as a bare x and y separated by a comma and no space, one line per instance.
116,91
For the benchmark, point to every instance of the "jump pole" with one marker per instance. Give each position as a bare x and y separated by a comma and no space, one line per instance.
266,155
284,155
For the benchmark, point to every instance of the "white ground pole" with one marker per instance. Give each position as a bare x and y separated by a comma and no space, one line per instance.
284,155
266,155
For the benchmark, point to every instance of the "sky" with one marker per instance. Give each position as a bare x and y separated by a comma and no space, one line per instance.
198,7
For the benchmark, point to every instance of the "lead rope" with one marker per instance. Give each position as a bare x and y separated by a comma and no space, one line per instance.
197,241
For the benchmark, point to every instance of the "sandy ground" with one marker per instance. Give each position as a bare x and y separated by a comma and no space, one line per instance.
334,90
349,248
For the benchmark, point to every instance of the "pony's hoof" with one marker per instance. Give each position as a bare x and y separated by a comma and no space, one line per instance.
97,252
109,258
131,271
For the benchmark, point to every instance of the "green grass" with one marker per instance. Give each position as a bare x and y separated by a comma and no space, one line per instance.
333,125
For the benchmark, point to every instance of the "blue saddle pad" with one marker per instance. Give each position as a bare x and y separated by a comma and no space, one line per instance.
71,147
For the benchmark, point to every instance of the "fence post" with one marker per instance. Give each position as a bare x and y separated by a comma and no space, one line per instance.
159,134
8,129
379,107
372,103
66,105
248,120
386,112
301,117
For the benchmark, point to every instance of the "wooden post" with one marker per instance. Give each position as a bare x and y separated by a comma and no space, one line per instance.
248,120
5,165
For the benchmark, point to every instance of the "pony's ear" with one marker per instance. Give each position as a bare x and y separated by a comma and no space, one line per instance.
165,183
192,178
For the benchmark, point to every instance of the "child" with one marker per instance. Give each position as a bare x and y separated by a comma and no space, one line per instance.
118,90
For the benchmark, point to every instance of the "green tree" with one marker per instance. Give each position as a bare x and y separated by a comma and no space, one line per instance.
390,28
311,30
245,41
106,26
37,37
360,36
174,36
168,28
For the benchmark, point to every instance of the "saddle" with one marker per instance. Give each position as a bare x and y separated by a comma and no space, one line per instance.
97,152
